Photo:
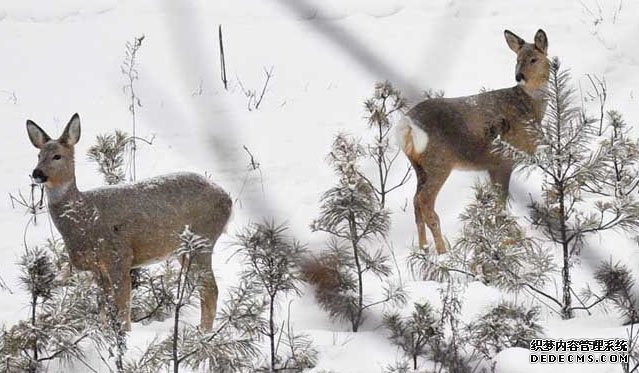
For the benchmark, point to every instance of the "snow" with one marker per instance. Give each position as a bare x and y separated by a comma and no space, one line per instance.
64,57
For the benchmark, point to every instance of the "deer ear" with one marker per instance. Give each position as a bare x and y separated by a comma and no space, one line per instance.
36,134
71,133
541,41
514,42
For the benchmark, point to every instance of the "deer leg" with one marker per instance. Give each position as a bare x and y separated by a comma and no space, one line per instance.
419,220
419,215
501,177
121,279
208,289
427,195
114,265
116,285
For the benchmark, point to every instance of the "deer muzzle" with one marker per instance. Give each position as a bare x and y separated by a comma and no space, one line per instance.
39,176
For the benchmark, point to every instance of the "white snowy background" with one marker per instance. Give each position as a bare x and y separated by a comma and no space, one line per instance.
61,57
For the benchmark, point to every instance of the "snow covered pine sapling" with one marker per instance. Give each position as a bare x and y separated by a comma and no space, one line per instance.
109,154
503,326
413,334
584,191
273,262
617,285
230,347
493,248
353,217
187,345
386,103
63,315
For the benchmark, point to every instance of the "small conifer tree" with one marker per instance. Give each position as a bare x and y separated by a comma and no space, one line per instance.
109,153
352,215
62,315
386,103
413,334
505,325
273,262
230,347
569,210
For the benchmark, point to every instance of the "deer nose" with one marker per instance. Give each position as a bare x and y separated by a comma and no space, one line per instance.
519,77
39,176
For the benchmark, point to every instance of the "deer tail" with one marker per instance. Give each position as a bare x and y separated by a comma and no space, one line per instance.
411,138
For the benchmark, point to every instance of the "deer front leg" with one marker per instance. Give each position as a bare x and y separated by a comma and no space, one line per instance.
501,176
121,280
115,278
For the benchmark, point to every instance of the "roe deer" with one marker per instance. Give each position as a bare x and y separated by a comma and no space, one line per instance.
111,230
442,134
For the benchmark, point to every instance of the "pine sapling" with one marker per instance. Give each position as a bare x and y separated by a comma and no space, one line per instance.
272,260
617,172
231,347
569,210
494,249
109,153
302,354
153,296
505,325
62,315
352,215
617,284
413,334
191,245
386,103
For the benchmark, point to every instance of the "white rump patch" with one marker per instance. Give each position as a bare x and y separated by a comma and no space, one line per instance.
410,137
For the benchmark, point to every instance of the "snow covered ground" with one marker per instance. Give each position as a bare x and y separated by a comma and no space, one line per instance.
63,57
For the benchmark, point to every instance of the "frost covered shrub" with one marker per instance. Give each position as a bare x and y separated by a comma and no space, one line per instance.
109,153
353,216
585,191
272,261
153,296
493,248
229,347
506,325
618,283
63,314
413,334
385,104
496,249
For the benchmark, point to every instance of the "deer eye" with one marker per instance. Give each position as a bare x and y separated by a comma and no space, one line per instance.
57,157
533,60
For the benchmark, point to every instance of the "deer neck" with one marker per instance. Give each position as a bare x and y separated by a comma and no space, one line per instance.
538,96
63,192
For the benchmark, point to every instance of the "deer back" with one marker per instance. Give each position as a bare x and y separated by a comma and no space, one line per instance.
146,216
463,128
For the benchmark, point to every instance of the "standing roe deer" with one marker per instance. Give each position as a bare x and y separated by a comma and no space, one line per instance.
111,230
442,134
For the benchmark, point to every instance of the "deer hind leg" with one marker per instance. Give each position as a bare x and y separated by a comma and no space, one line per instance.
207,288
425,197
419,216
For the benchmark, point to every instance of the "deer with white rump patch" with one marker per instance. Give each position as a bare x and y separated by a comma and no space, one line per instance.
442,134
111,230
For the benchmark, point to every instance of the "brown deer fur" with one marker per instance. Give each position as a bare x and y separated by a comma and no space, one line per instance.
110,230
442,134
